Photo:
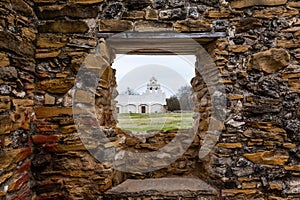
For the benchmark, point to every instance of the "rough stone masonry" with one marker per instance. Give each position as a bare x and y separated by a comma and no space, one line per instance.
44,42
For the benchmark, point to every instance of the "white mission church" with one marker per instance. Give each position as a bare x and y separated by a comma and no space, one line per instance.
151,101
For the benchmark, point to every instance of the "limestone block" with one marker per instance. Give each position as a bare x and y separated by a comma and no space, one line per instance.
8,73
267,126
268,157
246,24
58,86
231,145
294,84
10,42
151,14
68,129
134,15
145,26
45,1
269,61
81,1
193,25
238,48
4,177
42,139
249,3
41,53
51,41
234,192
14,155
30,33
137,4
63,27
268,13
292,167
115,25
22,7
5,124
4,60
295,43
47,112
223,13
295,4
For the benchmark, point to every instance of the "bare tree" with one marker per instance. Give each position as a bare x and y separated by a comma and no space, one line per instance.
130,91
184,96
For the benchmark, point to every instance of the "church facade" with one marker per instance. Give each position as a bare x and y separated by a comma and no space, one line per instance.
153,100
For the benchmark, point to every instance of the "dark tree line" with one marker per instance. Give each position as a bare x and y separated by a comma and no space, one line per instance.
182,100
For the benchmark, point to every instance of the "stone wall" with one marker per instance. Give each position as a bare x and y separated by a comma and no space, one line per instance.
44,43
17,76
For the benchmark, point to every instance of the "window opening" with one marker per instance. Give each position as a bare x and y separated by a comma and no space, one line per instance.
154,92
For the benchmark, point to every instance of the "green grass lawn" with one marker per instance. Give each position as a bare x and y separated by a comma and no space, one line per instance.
158,121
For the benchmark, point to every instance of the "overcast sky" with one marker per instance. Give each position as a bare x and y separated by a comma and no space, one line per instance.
171,71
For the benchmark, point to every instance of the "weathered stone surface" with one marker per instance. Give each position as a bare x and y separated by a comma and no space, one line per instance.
159,3
193,13
46,112
12,156
115,25
63,27
22,103
231,145
170,14
49,100
295,4
171,187
292,167
86,1
151,14
150,26
249,3
293,185
268,13
263,102
114,10
42,139
5,124
47,54
294,84
246,24
10,42
44,1
4,60
7,73
137,4
50,41
192,25
84,97
223,13
269,61
51,12
267,126
238,48
268,157
4,103
288,43
134,15
235,192
58,86
22,7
